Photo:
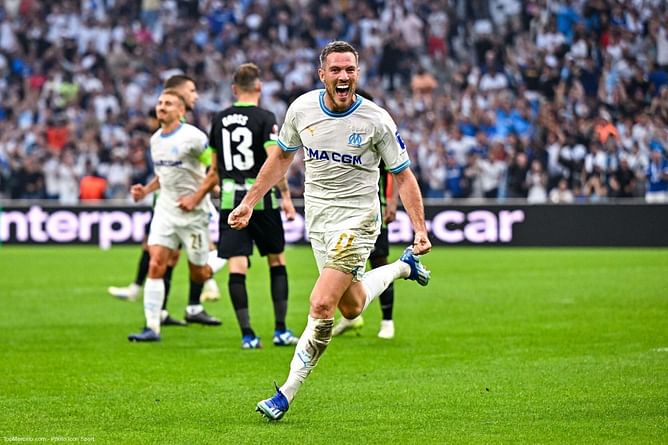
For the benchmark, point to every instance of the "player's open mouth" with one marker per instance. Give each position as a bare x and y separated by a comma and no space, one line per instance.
342,91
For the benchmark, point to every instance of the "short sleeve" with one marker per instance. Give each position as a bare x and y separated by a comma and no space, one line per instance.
288,138
199,142
390,146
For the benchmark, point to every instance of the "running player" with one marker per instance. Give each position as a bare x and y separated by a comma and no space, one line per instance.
344,137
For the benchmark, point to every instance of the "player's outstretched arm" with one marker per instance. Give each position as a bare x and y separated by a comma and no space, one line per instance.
273,169
409,191
286,199
139,191
392,201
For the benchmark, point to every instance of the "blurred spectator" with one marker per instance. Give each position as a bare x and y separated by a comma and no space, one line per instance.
659,105
492,170
68,179
604,129
454,181
119,174
657,176
536,183
594,190
623,182
29,180
92,186
562,194
471,183
517,176
423,85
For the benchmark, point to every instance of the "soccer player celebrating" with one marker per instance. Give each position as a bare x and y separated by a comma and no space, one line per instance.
344,137
242,135
181,214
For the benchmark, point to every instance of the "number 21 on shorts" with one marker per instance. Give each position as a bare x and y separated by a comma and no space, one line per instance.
195,241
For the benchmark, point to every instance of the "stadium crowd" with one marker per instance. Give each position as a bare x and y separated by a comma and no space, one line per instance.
552,101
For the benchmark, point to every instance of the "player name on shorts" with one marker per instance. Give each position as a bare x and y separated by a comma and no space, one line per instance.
324,155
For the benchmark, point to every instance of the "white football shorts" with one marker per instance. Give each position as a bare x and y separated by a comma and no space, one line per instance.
344,250
192,234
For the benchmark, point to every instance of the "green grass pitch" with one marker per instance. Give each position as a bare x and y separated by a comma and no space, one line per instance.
504,346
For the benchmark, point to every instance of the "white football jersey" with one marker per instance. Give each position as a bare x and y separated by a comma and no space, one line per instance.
342,152
176,161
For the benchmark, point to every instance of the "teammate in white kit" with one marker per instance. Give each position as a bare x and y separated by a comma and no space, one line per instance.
344,137
181,214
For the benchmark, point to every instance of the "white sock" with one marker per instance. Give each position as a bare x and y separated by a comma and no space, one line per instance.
211,285
311,346
376,280
193,309
215,262
154,295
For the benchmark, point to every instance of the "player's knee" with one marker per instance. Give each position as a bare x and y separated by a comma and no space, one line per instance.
350,311
322,310
200,274
156,268
276,259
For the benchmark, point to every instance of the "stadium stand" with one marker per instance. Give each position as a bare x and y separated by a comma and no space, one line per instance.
496,99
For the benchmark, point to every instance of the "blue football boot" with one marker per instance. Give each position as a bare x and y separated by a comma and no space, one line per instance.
147,334
250,342
419,273
285,338
274,407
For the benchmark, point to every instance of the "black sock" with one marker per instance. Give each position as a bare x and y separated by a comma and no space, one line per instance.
142,268
167,279
194,293
236,285
279,295
387,302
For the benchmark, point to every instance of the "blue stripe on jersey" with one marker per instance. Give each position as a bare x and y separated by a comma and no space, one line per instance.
330,113
166,135
288,148
403,166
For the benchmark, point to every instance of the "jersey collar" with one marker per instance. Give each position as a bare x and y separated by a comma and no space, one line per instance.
166,135
330,113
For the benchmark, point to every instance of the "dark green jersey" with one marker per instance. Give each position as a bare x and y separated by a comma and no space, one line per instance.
382,189
239,135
